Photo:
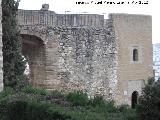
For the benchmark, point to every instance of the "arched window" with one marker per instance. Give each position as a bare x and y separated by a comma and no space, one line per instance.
134,99
135,55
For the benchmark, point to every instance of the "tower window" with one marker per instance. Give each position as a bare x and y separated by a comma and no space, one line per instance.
135,55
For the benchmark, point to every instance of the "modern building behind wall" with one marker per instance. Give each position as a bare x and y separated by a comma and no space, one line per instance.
156,60
1,57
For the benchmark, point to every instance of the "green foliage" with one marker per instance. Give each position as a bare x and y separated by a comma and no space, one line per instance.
86,115
127,112
110,107
31,90
123,107
38,104
13,62
24,110
56,93
97,101
5,94
149,103
130,114
78,98
101,105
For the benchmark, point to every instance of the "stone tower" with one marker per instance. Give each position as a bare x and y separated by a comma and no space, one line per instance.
134,39
1,57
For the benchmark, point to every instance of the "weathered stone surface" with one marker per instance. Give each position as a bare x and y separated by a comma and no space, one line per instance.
77,58
132,32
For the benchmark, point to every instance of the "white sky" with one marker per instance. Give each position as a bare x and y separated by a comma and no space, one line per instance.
60,6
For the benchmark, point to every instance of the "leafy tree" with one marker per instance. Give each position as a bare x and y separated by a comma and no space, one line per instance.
13,62
149,103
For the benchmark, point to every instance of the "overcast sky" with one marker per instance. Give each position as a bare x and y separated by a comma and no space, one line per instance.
60,6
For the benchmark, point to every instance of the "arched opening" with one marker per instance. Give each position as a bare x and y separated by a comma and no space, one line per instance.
34,52
135,55
27,70
134,99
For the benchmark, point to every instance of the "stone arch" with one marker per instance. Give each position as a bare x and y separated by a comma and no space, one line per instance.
45,37
134,99
29,30
33,49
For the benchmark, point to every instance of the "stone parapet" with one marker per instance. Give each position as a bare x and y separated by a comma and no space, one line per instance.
50,18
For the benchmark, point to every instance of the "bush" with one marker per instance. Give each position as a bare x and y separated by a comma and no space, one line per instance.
110,107
78,98
149,103
6,93
22,110
107,107
87,115
97,101
56,93
31,90
123,108
127,112
130,114
98,104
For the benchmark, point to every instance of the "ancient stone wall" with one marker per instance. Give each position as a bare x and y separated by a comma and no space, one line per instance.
87,60
79,58
1,56
88,53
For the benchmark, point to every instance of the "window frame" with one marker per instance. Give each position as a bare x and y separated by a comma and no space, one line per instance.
135,55
139,49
